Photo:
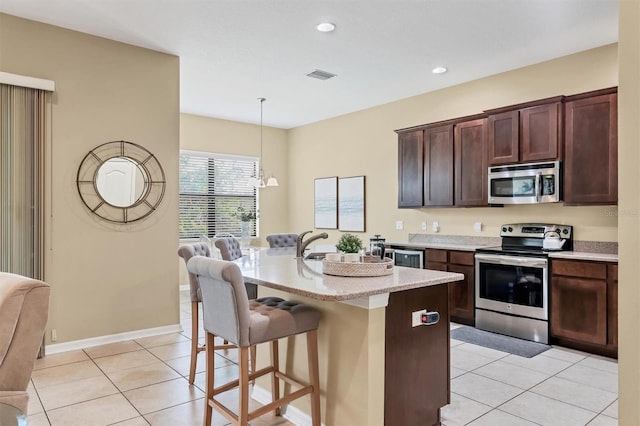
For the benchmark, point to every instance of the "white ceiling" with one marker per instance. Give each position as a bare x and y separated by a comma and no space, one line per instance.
234,51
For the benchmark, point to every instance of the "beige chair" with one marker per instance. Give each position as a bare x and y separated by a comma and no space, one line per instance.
228,314
24,309
282,240
186,252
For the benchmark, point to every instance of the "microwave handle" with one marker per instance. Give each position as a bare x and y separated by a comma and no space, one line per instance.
538,187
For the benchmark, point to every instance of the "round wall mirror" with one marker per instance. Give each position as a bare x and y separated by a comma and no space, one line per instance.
121,182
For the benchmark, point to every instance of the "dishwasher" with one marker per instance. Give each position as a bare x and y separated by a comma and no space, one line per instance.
408,258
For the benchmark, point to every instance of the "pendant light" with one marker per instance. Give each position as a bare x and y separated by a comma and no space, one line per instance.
260,181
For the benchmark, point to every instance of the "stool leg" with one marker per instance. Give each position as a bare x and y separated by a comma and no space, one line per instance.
210,368
275,382
314,375
194,341
252,350
243,406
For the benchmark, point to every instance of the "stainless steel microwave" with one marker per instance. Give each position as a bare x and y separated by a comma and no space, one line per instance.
530,183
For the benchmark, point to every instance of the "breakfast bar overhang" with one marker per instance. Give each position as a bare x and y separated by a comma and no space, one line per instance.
375,367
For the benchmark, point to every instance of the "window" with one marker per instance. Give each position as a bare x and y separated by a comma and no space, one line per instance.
212,188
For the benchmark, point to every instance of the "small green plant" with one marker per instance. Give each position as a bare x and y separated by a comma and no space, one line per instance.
349,243
245,216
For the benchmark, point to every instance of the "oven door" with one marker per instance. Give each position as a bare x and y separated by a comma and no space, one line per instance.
515,285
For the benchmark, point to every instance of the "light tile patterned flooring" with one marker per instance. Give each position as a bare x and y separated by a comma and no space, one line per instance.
144,382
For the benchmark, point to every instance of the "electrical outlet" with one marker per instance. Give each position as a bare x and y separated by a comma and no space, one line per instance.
435,226
399,225
477,226
416,317
424,225
54,335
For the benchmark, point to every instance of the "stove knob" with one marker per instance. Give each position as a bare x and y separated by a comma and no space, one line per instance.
504,229
565,231
510,229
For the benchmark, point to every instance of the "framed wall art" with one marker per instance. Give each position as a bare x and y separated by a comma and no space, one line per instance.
351,204
325,205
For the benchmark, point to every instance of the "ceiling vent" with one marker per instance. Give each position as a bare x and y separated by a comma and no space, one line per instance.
321,75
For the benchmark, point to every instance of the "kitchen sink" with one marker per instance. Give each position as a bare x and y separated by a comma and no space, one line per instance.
315,255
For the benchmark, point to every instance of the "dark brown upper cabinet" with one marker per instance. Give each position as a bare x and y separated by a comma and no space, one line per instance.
438,166
470,162
525,133
410,168
591,148
443,164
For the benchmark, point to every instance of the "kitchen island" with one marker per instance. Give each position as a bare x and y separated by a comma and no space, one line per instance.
375,368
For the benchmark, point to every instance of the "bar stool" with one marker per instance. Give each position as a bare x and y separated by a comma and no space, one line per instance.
186,252
228,314
282,240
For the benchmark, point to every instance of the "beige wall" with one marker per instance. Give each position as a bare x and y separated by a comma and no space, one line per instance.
629,158
106,278
363,143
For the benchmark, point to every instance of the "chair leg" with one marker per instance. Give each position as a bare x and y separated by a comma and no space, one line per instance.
252,352
275,382
210,368
194,341
314,375
243,406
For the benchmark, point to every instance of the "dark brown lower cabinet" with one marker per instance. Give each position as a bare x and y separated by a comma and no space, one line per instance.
461,293
416,358
584,303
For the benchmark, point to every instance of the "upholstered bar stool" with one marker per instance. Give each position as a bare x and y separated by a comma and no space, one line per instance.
282,240
228,314
230,250
186,252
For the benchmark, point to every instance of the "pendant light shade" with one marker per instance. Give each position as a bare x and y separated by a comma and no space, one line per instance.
261,181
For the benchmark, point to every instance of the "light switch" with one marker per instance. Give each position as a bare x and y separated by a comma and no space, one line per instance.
399,225
477,226
424,225
435,226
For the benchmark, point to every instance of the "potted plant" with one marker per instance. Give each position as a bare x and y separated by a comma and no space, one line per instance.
349,243
245,216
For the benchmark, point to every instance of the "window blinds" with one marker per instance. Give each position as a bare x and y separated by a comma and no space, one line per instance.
212,188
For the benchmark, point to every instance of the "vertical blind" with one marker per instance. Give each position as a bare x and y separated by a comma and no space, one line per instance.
23,118
212,190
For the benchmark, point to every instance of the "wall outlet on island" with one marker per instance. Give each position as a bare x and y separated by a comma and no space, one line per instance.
435,226
399,225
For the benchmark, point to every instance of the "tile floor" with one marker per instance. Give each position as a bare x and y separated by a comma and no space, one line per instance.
144,382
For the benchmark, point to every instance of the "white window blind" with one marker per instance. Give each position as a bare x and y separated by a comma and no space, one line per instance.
211,190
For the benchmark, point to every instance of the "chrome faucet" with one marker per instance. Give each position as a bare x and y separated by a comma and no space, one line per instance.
301,246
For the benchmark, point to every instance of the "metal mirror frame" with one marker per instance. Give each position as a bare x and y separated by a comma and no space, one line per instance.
152,172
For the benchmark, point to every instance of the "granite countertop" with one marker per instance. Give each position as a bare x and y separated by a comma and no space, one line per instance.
583,250
280,270
583,255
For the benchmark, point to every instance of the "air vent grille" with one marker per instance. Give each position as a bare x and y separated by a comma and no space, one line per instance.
321,75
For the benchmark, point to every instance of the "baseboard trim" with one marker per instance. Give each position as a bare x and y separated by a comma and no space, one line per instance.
291,413
112,338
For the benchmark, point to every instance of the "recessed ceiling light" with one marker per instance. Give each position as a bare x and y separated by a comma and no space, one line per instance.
326,27
439,70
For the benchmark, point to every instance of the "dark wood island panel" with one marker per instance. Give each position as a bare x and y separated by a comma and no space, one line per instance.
416,358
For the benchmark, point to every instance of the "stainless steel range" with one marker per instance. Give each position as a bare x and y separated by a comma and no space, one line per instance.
512,280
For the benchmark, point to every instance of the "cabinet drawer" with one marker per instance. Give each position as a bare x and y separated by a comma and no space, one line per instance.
461,257
434,255
579,268
436,266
